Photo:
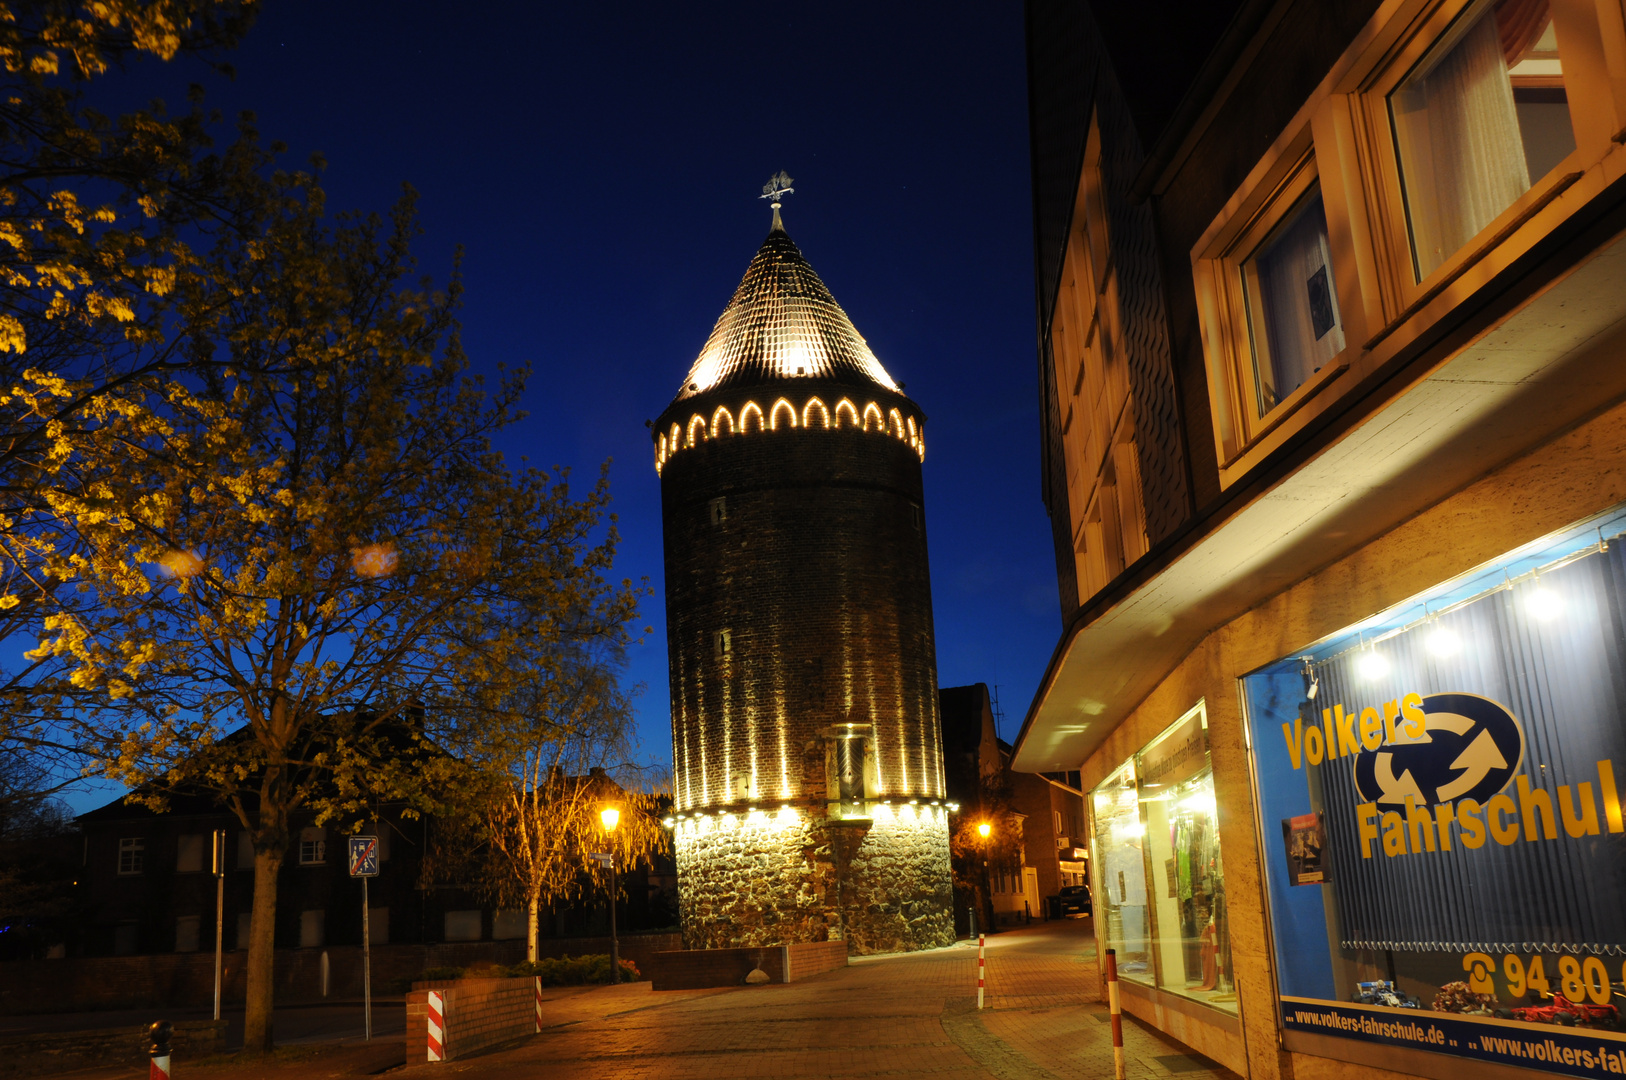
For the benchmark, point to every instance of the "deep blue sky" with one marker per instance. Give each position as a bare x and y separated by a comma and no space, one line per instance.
600,165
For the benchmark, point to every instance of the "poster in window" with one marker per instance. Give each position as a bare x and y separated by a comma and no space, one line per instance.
1303,843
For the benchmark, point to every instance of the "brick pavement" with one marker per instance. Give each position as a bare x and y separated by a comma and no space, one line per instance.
893,1016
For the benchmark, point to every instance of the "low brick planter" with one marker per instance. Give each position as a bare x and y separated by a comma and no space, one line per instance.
697,969
480,1013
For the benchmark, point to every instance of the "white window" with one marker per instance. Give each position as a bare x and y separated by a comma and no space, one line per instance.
463,926
132,852
1481,116
312,846
189,855
187,931
1292,304
312,929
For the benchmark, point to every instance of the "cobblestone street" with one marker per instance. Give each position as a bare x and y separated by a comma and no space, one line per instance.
912,1015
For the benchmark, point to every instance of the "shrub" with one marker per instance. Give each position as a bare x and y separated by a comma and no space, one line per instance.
572,971
442,974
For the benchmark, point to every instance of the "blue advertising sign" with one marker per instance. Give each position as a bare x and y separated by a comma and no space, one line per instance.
363,856
1445,824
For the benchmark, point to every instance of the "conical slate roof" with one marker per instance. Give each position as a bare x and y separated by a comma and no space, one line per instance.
782,324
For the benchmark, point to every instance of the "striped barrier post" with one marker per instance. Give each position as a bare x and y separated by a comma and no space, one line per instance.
160,1033
1117,1015
538,983
437,1026
982,941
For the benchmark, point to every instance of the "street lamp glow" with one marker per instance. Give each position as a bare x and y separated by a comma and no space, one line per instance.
984,829
1443,642
1544,604
610,817
1373,665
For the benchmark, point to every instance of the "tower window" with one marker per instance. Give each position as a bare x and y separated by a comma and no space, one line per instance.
914,516
722,643
719,510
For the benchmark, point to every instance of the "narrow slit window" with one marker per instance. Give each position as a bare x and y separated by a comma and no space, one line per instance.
722,643
719,510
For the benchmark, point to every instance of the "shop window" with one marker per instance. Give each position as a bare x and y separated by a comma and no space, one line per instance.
189,854
1481,116
1161,884
132,853
312,846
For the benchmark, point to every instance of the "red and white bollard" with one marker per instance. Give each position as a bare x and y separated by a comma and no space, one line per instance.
159,1051
982,941
1117,1015
538,983
437,1025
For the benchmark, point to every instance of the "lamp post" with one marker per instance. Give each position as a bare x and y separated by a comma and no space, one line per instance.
983,830
610,817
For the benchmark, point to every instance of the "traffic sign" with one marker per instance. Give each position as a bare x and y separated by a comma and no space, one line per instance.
364,856
603,858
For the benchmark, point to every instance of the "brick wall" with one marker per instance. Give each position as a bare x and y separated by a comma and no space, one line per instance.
480,1013
808,958
171,979
697,969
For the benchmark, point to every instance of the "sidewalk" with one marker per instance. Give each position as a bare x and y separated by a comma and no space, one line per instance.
881,1017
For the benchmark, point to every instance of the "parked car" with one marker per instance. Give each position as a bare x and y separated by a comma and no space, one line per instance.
1074,900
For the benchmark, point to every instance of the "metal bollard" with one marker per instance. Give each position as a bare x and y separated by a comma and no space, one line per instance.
982,940
1117,1015
160,1034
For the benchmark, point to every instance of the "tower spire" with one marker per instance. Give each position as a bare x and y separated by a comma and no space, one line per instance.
775,188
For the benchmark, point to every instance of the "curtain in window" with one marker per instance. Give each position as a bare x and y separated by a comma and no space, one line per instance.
1301,323
1519,24
1461,156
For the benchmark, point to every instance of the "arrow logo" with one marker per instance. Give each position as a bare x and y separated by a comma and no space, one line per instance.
1476,761
1395,790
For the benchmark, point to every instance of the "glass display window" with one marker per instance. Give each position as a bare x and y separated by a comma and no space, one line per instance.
1162,882
1444,839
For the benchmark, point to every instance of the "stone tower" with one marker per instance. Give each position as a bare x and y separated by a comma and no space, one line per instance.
807,757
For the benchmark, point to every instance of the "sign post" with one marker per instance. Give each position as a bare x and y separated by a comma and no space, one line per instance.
364,864
218,858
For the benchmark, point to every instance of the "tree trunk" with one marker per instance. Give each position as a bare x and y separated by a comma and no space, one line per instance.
530,929
257,1036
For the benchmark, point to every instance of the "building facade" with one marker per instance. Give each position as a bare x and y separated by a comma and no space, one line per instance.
1332,354
809,798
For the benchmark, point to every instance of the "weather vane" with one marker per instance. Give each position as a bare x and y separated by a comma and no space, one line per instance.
776,187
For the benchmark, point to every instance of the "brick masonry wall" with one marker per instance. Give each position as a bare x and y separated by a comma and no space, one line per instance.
171,979
809,958
877,887
698,969
480,1013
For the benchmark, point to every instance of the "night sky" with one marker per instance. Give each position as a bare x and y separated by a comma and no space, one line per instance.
600,165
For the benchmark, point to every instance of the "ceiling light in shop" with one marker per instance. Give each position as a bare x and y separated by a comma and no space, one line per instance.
1544,604
1200,803
1443,641
1373,666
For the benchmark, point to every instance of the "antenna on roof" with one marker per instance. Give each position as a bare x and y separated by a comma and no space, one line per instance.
776,188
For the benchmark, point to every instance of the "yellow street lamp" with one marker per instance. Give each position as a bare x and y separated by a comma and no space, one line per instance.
984,829
610,817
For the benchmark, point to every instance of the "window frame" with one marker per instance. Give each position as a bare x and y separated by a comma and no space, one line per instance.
136,847
1392,232
1222,272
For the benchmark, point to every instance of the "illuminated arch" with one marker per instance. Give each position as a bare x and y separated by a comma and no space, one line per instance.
676,440
851,410
871,409
807,412
717,419
913,431
751,409
895,424
773,416
696,421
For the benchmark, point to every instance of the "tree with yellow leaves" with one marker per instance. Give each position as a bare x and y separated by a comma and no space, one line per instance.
96,217
302,570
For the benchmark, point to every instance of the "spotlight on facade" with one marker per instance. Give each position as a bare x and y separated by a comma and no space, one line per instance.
1442,641
1544,604
1373,666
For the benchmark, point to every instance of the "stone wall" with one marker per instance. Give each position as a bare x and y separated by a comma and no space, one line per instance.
783,878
